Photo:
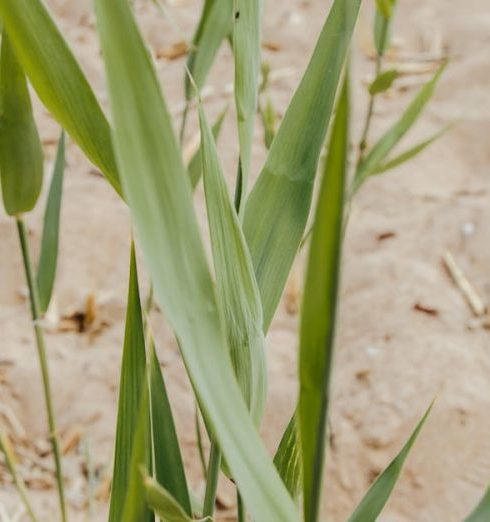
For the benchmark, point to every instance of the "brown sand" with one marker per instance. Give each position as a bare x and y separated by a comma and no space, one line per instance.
392,359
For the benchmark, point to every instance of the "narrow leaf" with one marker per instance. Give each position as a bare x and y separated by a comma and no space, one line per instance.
169,467
482,511
318,315
195,164
278,206
383,19
214,26
48,259
238,293
135,507
160,199
246,48
21,155
383,81
133,369
58,80
288,459
410,153
378,494
164,504
389,140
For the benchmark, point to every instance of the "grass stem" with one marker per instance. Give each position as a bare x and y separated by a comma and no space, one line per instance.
212,480
41,349
241,513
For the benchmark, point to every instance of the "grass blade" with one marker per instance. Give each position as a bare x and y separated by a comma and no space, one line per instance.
383,82
410,153
133,369
135,507
288,459
214,26
387,142
21,154
382,24
164,504
482,511
48,259
278,206
195,164
317,329
246,48
58,80
169,467
375,499
160,199
238,293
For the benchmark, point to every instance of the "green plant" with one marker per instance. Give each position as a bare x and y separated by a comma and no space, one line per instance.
220,325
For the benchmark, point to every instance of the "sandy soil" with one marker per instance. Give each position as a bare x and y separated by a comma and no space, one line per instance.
392,359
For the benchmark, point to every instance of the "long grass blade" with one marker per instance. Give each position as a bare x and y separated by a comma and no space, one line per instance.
378,494
169,467
318,316
59,81
164,504
246,48
48,259
238,293
278,206
160,199
133,370
21,155
379,152
482,511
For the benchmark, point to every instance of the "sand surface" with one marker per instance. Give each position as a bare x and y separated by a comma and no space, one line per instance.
406,333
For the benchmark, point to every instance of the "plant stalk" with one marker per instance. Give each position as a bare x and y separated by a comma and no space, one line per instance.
242,514
212,480
41,350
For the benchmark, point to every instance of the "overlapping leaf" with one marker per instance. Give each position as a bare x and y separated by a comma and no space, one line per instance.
278,206
159,196
238,293
21,155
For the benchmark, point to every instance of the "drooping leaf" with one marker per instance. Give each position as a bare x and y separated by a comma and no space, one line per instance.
169,467
378,494
21,154
160,199
379,152
195,165
246,49
318,314
482,511
214,26
48,259
382,24
58,80
410,153
165,505
288,459
131,386
238,293
383,81
278,206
